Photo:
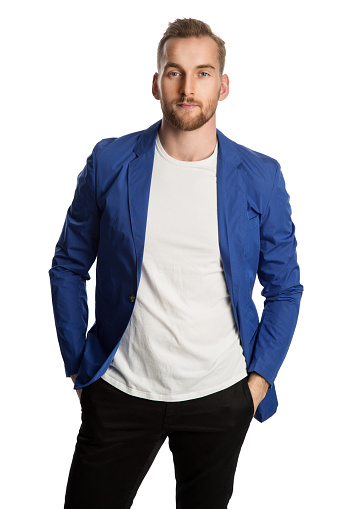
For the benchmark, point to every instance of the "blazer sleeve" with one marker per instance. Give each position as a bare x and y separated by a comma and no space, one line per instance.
75,253
278,273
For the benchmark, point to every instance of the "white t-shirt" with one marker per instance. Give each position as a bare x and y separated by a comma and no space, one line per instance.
181,341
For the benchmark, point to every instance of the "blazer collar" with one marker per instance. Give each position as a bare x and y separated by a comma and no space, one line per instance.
227,151
147,139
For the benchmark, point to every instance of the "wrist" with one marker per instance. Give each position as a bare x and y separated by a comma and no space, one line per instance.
258,381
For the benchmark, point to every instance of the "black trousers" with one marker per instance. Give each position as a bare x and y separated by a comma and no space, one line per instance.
120,436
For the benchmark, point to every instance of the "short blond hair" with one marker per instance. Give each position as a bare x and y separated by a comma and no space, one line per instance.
188,27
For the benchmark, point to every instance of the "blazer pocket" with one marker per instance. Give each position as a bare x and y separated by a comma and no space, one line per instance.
252,222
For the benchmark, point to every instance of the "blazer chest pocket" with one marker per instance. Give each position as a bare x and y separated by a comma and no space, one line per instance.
252,220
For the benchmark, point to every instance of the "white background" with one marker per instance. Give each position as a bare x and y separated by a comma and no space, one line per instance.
74,72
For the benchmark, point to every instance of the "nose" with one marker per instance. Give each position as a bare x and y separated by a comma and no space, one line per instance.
187,85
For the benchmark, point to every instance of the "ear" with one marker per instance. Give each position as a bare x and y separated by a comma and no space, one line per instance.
225,87
155,88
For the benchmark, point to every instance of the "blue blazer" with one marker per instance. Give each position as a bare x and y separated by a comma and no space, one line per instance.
107,221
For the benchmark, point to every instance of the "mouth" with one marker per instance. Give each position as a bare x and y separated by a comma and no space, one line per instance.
187,106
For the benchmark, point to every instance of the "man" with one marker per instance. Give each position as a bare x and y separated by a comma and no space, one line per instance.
180,219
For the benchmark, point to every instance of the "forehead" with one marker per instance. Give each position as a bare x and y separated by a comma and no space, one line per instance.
190,52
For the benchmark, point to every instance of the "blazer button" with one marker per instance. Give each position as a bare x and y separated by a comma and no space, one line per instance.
131,298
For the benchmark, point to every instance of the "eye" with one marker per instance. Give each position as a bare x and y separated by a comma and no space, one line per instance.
174,73
203,74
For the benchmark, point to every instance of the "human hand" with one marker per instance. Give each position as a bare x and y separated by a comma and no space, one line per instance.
258,387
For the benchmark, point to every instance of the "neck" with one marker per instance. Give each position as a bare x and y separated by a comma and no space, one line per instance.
189,145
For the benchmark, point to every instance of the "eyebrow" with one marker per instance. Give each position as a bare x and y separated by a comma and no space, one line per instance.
201,66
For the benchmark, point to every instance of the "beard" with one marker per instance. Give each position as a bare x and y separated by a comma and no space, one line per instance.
182,121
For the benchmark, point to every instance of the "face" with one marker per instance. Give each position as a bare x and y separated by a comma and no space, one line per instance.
189,84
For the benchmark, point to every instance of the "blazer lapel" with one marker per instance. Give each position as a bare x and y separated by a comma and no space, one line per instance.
232,214
139,184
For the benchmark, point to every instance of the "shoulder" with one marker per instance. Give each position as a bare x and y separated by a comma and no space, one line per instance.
114,146
260,170
120,151
256,159
111,158
250,160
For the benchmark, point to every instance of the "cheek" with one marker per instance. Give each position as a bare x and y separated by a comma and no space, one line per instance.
168,86
209,94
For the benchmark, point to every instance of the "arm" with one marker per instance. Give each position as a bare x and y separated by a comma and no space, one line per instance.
278,272
74,255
